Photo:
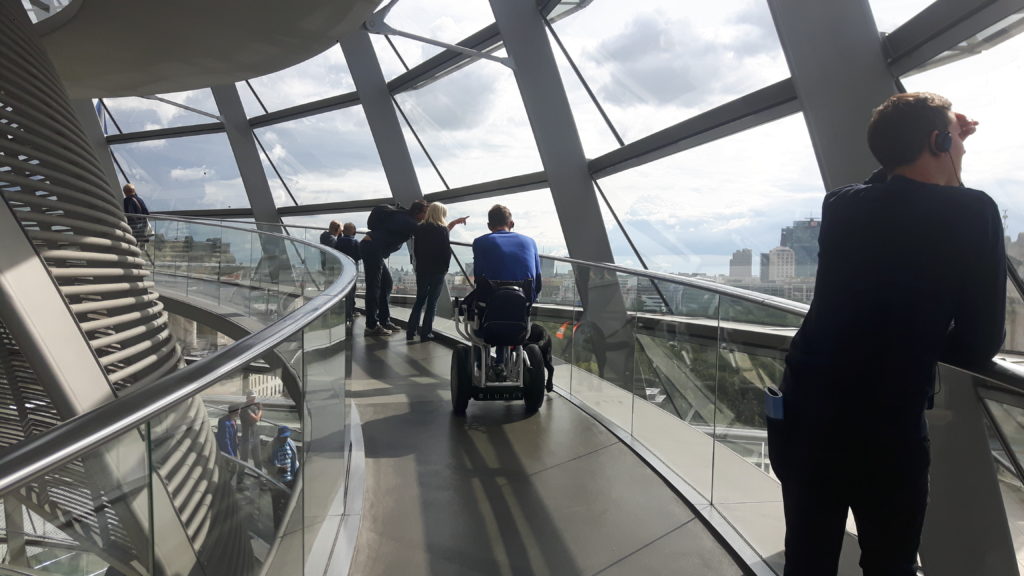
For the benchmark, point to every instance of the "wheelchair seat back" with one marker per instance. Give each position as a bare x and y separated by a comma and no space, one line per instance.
504,316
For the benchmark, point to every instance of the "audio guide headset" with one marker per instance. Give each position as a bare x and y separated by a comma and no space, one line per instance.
943,142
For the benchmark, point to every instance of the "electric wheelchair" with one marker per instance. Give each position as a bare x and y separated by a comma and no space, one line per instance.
496,314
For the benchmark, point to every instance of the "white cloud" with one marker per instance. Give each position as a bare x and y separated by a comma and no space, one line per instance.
194,173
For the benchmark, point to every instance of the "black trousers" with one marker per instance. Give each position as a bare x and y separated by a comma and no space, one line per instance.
378,284
830,462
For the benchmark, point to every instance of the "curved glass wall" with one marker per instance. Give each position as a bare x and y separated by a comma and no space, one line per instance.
188,173
691,213
135,114
473,124
653,64
330,157
323,75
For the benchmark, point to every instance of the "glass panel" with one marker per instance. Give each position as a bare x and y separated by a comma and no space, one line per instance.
1009,482
691,212
1014,342
84,517
602,344
330,157
249,102
444,20
891,14
135,114
674,375
189,173
653,64
474,125
426,173
533,213
390,64
596,136
326,461
323,75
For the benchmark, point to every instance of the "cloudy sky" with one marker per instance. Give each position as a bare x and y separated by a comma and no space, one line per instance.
651,65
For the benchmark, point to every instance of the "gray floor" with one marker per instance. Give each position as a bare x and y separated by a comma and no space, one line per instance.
503,492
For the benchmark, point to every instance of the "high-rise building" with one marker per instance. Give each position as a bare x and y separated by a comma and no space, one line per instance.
781,264
765,264
802,238
741,264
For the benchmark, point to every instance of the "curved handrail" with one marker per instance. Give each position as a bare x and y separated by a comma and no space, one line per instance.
706,285
35,456
721,289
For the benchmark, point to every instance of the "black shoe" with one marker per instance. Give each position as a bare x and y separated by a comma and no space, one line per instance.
428,337
410,336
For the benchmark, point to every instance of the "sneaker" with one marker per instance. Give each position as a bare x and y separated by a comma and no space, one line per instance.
377,330
428,337
389,325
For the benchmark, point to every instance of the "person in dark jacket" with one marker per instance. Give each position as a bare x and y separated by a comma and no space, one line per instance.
375,246
136,211
349,246
911,271
329,238
227,440
433,255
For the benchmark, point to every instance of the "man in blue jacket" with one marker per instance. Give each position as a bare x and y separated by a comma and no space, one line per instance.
505,256
911,271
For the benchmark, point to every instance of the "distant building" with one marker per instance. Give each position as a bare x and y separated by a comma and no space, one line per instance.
547,268
802,239
741,265
764,267
781,264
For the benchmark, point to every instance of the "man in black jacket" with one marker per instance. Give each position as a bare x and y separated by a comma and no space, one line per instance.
382,241
911,271
329,237
349,246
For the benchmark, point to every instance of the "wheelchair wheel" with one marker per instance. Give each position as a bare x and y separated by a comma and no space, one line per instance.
533,378
462,378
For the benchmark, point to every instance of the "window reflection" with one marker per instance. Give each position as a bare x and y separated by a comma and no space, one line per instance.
190,173
694,212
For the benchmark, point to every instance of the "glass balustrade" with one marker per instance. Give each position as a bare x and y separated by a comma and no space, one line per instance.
166,497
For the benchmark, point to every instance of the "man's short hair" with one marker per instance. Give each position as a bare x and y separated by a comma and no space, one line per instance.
128,188
418,207
498,216
901,128
334,226
349,229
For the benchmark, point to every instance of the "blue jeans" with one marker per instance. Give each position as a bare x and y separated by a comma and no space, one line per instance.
428,290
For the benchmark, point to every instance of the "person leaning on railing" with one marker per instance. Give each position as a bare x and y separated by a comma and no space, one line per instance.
912,270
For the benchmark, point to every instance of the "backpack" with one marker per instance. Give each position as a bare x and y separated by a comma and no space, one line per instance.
383,216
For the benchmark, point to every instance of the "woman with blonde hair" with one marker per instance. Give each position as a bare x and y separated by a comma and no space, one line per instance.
433,256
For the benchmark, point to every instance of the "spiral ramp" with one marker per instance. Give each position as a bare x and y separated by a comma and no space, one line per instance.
71,231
